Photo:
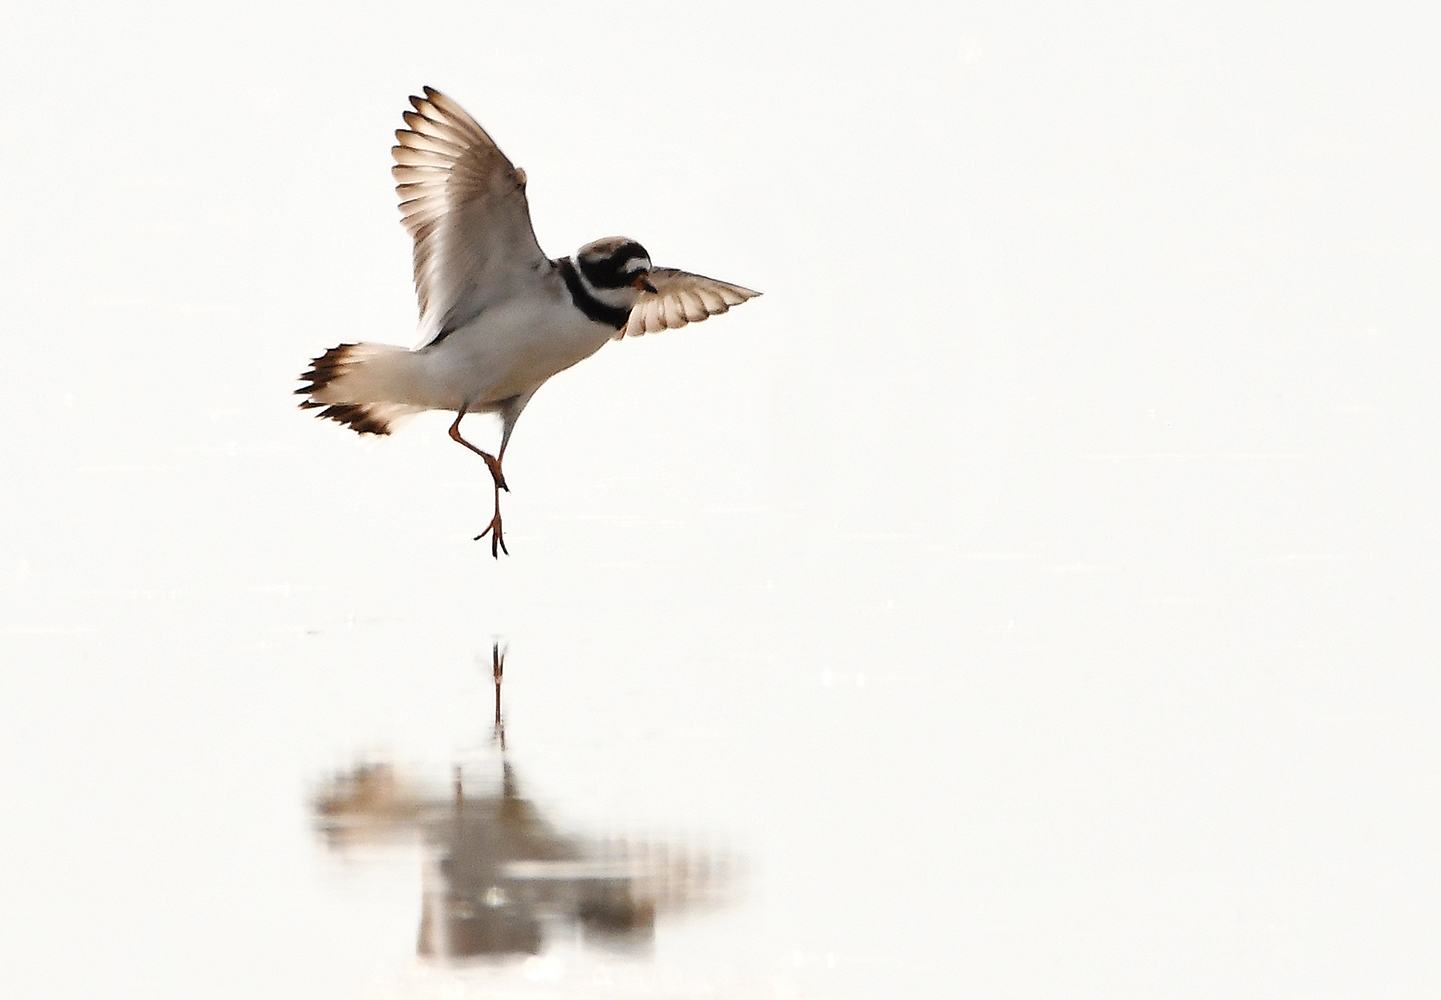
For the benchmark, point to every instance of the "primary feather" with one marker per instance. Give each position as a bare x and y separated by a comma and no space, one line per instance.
680,298
463,202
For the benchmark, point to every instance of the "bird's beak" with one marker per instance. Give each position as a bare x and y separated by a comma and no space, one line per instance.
642,284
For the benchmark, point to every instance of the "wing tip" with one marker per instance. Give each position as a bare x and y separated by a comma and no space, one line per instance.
654,314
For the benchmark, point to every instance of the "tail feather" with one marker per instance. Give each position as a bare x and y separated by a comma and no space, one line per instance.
357,384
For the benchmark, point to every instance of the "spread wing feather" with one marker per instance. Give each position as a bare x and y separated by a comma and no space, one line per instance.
464,205
680,298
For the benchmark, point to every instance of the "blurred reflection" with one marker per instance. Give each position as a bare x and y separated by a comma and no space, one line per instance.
499,878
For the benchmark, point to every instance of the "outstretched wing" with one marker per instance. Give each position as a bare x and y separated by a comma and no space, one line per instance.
680,298
464,204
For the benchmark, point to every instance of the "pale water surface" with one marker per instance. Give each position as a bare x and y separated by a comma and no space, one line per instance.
1034,594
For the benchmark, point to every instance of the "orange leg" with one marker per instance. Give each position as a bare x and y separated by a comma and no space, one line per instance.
491,461
497,540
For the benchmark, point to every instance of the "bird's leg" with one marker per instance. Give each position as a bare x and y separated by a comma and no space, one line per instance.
497,541
491,462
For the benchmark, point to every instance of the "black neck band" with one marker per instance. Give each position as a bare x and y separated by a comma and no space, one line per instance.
612,316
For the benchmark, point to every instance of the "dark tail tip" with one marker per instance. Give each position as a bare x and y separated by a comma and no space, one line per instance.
363,418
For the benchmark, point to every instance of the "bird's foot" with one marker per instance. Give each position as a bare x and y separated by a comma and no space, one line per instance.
497,540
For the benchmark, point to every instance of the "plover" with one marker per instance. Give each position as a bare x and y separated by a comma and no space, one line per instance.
497,316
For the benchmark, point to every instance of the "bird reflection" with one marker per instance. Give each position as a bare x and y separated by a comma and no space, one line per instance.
499,879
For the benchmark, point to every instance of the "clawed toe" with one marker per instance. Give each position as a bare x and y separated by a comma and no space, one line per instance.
497,540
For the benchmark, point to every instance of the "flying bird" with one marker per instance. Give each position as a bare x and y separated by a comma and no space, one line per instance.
497,316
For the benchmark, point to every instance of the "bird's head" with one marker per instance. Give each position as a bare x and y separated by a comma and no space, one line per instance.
615,264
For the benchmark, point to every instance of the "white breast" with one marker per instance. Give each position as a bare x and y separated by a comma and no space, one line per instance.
509,350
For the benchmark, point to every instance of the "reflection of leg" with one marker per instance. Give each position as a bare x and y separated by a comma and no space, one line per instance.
491,462
497,670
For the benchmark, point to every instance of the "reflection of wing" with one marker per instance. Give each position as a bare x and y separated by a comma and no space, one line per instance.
464,205
680,298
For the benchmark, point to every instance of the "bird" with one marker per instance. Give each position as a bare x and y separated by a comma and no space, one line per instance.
497,316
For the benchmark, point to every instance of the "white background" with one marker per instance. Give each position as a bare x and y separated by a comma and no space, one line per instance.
1037,587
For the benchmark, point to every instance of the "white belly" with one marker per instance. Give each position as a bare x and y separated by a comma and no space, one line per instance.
509,350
